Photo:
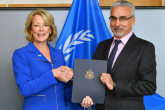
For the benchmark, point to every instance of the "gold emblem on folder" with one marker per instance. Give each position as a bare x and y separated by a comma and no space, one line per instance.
89,74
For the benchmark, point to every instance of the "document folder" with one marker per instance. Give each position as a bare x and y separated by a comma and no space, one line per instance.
86,80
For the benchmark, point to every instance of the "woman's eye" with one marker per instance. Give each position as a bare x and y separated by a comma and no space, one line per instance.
35,25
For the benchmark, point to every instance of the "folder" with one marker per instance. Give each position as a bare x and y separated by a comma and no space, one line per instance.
86,80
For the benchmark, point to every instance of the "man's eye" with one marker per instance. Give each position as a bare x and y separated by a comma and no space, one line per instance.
113,18
123,18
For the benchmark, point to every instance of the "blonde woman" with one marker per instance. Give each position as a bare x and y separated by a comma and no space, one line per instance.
39,69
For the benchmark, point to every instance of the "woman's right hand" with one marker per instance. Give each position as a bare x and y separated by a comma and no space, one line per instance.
63,73
57,72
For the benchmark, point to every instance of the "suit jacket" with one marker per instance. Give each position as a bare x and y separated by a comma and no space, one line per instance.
134,73
35,80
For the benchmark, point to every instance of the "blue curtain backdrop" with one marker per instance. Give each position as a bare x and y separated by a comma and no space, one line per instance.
84,28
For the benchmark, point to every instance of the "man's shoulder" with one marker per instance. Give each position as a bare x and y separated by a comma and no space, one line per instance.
141,40
143,43
106,41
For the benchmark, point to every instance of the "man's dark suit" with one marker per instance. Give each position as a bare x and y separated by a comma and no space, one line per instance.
134,73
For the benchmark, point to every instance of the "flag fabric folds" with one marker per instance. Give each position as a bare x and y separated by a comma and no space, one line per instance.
84,28
154,102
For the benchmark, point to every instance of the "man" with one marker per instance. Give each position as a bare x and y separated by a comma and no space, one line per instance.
132,74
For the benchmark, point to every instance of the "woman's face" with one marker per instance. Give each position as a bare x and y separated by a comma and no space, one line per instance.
40,30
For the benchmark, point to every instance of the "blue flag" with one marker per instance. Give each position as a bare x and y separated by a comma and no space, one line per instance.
154,102
84,28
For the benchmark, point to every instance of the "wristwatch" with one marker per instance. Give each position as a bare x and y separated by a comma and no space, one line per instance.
114,86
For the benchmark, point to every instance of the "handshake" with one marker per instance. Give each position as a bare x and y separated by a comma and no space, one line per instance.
63,73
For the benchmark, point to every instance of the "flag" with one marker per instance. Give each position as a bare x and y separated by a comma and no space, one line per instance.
154,102
84,28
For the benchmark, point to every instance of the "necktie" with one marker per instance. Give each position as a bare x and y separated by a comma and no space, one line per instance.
112,56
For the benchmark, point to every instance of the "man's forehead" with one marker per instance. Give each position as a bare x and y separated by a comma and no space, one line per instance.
121,10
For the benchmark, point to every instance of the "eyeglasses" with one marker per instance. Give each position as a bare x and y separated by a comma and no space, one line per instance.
121,18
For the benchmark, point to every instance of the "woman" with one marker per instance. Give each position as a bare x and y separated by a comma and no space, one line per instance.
38,68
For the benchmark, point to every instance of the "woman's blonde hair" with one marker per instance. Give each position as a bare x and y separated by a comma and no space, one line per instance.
48,19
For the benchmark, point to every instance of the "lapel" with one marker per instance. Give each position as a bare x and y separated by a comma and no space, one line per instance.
129,47
53,53
38,55
107,48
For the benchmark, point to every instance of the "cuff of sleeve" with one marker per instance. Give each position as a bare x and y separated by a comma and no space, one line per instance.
51,77
114,86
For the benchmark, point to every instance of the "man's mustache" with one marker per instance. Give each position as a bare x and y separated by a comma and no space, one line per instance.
119,28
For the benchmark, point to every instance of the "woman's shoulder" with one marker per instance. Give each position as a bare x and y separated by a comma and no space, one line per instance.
21,50
19,53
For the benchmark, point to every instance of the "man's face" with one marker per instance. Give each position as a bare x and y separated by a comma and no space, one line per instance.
123,26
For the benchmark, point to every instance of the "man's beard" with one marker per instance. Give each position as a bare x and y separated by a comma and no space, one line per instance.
118,34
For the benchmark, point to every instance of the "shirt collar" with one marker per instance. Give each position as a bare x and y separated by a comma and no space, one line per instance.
125,38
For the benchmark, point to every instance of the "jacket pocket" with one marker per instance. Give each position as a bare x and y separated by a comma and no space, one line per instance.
132,103
35,102
129,103
41,96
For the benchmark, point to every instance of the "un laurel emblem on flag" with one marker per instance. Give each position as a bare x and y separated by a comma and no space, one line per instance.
89,74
